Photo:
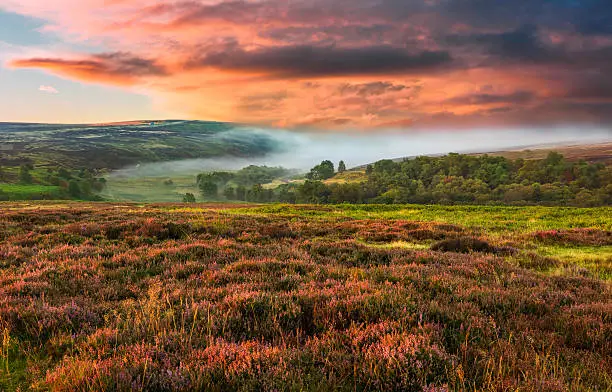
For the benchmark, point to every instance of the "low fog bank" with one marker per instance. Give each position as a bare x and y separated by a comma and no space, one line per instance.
303,150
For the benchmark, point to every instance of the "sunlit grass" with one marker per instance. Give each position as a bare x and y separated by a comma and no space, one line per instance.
398,244
596,259
493,219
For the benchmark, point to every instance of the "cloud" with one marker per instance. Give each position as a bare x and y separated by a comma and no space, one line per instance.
48,89
521,45
371,89
325,61
262,102
342,63
517,97
113,68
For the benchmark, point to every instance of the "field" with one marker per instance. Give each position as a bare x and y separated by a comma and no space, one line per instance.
150,189
30,191
120,296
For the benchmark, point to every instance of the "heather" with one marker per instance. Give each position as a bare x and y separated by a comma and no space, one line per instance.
221,297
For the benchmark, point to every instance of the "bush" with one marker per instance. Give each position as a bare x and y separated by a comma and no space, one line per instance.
463,245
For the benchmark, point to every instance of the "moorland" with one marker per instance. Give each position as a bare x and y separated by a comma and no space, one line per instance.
181,297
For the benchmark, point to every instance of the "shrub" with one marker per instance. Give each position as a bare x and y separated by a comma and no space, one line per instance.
463,245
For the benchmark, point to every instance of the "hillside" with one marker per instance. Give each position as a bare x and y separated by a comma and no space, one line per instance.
595,153
114,146
100,297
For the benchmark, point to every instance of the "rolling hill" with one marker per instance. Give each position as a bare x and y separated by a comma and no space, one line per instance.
113,146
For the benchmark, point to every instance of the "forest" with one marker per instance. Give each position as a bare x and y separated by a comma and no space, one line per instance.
450,179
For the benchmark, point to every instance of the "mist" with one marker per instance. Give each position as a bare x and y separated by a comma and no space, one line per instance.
301,151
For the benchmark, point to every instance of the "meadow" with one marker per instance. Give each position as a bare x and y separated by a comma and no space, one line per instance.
182,297
30,191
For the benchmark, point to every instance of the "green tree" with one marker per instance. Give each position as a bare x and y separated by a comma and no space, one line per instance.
189,198
209,189
63,173
313,192
24,175
229,193
74,189
256,193
341,167
322,171
241,193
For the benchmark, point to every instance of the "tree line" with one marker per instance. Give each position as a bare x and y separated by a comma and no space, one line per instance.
451,179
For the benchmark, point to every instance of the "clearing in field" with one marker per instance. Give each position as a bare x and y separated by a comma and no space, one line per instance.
221,297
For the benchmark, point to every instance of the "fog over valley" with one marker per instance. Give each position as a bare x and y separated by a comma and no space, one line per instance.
302,150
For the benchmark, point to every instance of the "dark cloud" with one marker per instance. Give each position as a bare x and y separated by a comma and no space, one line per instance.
522,45
236,11
592,17
517,97
127,64
331,33
593,85
315,61
371,89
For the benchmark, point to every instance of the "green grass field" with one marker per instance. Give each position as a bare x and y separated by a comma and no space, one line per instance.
150,189
29,192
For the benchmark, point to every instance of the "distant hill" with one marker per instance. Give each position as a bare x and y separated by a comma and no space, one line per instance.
593,153
116,145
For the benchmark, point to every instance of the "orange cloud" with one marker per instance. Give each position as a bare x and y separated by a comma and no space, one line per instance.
342,63
112,68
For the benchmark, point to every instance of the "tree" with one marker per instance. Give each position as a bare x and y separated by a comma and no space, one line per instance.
98,184
63,173
341,167
322,171
241,193
74,189
24,175
209,189
369,169
256,193
189,198
229,193
313,192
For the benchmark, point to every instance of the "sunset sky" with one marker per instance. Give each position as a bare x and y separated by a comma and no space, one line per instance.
327,64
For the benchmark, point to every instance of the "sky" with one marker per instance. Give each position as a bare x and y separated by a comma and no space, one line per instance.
320,64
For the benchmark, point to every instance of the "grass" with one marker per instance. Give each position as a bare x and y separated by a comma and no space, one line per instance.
149,189
29,192
491,219
352,176
176,297
597,259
